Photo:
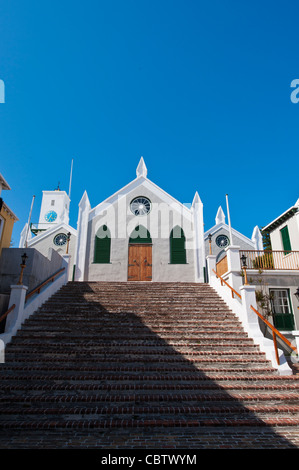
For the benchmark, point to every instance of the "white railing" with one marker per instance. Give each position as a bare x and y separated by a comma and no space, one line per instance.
266,260
22,305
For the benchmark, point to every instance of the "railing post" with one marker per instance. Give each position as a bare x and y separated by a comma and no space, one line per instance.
233,274
66,264
2,352
248,299
275,348
211,264
17,297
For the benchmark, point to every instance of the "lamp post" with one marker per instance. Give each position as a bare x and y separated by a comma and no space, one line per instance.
68,241
244,267
210,243
23,265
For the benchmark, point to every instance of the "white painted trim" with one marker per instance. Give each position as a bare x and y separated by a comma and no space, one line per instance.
221,226
2,223
277,218
274,272
50,231
141,180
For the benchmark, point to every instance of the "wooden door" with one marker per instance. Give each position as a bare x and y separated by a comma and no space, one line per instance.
140,262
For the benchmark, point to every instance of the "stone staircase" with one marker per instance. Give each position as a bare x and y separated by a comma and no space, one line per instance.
140,356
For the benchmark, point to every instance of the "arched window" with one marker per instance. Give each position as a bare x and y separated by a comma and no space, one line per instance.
177,246
140,235
102,245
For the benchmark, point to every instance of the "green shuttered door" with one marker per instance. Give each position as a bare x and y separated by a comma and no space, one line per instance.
102,246
177,247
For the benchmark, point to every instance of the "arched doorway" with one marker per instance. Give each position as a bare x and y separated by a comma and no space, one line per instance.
140,255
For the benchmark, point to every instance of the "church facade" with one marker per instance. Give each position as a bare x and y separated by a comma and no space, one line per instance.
140,233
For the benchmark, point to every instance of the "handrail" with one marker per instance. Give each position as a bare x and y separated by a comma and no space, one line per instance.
231,288
7,312
38,288
275,332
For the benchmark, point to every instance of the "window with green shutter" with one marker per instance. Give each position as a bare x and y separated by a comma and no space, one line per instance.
177,246
286,243
102,245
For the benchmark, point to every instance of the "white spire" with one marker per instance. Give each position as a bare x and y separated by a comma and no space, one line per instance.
196,199
220,217
257,239
141,169
84,201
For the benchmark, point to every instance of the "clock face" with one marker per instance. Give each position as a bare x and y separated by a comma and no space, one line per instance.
140,206
60,239
222,241
51,216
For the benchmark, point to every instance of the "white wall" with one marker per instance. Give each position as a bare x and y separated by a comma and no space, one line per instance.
293,227
121,222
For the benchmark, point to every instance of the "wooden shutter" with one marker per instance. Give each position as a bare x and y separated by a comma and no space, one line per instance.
102,246
177,247
285,239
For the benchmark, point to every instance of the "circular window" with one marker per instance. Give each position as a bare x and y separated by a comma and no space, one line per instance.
140,206
60,239
222,241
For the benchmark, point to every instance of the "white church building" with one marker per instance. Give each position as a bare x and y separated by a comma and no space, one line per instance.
140,233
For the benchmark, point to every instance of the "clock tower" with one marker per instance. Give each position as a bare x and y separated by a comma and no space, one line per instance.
54,210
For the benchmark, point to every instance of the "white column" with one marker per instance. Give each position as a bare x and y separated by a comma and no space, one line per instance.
248,299
211,264
233,274
84,208
17,297
199,247
66,264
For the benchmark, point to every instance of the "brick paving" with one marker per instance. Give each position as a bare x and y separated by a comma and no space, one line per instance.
142,365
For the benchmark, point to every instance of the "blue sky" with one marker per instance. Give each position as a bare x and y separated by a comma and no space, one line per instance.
200,89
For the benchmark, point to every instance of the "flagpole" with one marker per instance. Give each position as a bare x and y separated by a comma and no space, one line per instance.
229,222
71,178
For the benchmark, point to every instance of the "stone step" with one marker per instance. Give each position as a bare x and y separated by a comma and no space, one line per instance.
159,410
83,384
137,357
26,367
96,423
118,350
62,363
178,378
99,322
208,397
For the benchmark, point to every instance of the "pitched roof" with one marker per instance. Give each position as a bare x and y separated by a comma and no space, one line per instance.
4,183
281,219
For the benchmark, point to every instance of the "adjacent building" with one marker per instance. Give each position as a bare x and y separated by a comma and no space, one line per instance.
7,217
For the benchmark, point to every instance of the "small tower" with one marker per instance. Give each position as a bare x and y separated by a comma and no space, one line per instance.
55,209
